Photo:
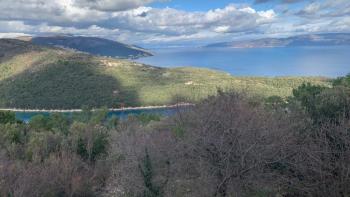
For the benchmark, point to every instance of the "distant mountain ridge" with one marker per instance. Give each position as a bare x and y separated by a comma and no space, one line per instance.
331,39
91,45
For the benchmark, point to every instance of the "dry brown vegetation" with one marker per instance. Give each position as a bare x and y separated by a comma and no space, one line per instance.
51,156
230,145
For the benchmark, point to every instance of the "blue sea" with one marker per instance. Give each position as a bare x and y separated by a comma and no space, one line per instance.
295,61
330,61
27,116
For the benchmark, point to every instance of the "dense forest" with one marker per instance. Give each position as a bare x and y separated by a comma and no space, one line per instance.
230,144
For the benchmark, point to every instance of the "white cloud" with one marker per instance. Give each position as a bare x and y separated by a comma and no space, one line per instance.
326,8
12,35
82,14
53,12
112,5
222,29
131,21
172,21
268,15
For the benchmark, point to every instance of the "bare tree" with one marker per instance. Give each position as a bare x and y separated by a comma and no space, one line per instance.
233,142
322,167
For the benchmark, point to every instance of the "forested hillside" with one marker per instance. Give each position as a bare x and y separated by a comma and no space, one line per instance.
33,77
92,45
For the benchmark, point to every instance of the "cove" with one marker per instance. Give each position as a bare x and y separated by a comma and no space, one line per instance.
122,114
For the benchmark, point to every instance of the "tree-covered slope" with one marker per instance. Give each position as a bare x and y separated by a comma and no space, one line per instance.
93,45
35,77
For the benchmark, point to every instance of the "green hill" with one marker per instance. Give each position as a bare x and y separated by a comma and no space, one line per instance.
33,77
92,45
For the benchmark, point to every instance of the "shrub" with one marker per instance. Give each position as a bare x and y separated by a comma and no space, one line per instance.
61,174
275,102
324,104
306,94
113,122
7,117
342,81
46,157
39,123
147,172
332,105
99,116
59,123
12,133
91,141
145,118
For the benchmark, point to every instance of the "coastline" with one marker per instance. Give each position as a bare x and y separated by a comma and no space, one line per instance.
110,109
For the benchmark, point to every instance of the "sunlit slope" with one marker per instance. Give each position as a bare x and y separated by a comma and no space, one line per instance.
33,77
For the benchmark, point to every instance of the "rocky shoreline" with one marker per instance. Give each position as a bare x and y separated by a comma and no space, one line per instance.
110,109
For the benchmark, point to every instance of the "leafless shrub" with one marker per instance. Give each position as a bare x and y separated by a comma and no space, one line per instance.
60,175
220,148
232,143
129,150
322,167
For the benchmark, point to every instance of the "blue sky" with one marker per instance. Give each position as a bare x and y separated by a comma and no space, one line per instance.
174,22
198,5
205,5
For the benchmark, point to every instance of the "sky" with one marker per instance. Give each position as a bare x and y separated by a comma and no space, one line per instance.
174,22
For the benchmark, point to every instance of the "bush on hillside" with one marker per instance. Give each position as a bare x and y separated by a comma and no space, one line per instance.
45,157
342,81
324,104
7,117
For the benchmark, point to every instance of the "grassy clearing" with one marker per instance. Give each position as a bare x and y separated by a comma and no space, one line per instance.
159,86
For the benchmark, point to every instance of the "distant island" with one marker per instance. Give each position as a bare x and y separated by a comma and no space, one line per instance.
91,45
330,39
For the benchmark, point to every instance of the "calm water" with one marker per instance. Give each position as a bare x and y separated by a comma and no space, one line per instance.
294,61
26,116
